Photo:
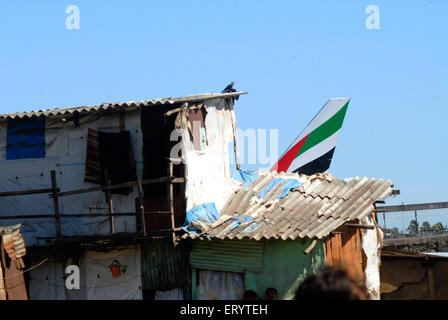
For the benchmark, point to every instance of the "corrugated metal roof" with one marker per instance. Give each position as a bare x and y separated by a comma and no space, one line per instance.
320,205
128,106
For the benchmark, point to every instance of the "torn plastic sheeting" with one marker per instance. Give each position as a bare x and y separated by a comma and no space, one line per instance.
288,186
199,217
240,220
246,177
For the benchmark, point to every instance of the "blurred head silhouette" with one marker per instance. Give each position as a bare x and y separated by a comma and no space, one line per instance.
271,294
330,284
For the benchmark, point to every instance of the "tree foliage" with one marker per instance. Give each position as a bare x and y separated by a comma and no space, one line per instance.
438,227
413,227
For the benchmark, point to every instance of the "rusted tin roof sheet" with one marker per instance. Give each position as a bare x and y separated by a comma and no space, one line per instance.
13,241
127,106
320,204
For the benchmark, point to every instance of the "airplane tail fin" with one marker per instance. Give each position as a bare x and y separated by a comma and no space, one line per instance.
312,151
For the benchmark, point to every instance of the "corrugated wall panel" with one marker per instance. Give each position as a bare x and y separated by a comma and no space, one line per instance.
228,255
164,267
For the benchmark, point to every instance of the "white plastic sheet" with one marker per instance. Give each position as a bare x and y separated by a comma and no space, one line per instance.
96,281
209,175
66,153
216,285
173,294
371,244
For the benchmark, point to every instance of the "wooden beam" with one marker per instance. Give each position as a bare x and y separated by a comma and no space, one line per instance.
66,215
361,226
25,192
413,207
119,186
171,200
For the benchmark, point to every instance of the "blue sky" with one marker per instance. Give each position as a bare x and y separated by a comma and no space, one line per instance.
291,56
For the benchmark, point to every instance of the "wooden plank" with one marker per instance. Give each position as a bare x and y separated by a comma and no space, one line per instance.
171,200
361,226
413,207
30,216
68,215
119,186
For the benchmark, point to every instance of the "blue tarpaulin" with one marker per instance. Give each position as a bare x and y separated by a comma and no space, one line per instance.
25,138
203,214
246,177
287,186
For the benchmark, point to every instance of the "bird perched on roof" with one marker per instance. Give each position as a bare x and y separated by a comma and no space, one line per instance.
229,89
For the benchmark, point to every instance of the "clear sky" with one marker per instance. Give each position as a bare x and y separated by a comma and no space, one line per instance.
291,56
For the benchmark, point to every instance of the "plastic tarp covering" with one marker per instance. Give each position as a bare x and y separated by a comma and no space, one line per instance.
216,285
66,147
371,243
173,294
47,280
246,177
209,177
96,281
25,138
199,217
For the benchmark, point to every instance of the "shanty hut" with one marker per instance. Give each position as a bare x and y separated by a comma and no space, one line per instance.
278,228
106,187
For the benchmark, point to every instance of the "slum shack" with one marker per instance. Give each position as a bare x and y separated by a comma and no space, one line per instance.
278,228
106,188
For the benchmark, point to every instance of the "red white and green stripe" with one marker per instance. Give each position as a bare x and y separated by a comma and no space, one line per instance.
313,149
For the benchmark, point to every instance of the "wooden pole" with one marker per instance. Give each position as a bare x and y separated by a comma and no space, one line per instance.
311,247
170,200
56,204
141,207
110,203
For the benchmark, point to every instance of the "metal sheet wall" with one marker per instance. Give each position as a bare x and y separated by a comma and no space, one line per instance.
163,266
228,255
